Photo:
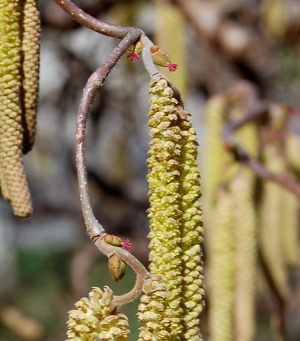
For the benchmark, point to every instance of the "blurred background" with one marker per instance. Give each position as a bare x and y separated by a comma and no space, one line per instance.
47,261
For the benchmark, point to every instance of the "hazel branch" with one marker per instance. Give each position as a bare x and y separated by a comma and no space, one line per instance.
94,24
94,228
241,155
96,80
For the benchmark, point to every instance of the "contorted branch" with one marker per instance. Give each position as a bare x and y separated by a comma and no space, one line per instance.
241,155
94,229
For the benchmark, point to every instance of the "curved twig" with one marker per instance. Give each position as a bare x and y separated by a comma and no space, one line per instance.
94,24
94,228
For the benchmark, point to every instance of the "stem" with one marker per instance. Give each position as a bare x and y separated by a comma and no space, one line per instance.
141,273
94,229
96,80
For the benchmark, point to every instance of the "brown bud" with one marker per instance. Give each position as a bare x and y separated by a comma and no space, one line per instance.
117,267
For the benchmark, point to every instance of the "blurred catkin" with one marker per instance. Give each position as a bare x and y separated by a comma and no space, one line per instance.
271,227
30,58
171,36
213,161
13,179
175,212
246,255
222,270
275,17
290,232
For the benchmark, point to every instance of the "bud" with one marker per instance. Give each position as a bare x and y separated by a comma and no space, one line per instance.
117,267
161,58
113,240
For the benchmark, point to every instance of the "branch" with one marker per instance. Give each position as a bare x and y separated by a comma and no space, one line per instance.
241,155
94,229
94,24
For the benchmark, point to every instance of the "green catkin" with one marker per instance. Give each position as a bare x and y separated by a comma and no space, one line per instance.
30,57
11,130
246,255
170,35
270,230
175,212
222,270
96,318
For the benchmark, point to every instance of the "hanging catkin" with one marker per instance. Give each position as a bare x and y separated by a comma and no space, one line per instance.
270,230
222,270
13,179
30,58
175,212
246,255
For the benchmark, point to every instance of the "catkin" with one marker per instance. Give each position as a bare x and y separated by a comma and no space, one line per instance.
290,233
164,212
222,270
30,58
270,230
11,130
175,211
192,231
246,255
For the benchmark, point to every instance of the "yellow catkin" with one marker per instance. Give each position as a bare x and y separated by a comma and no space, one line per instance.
175,211
242,188
30,57
192,232
246,255
275,17
222,270
290,232
212,161
170,35
96,318
164,197
292,148
11,130
271,227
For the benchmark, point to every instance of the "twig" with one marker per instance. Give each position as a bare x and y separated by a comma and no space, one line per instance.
96,80
241,155
94,24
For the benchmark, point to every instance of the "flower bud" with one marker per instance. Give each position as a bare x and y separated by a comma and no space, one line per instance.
112,240
117,267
